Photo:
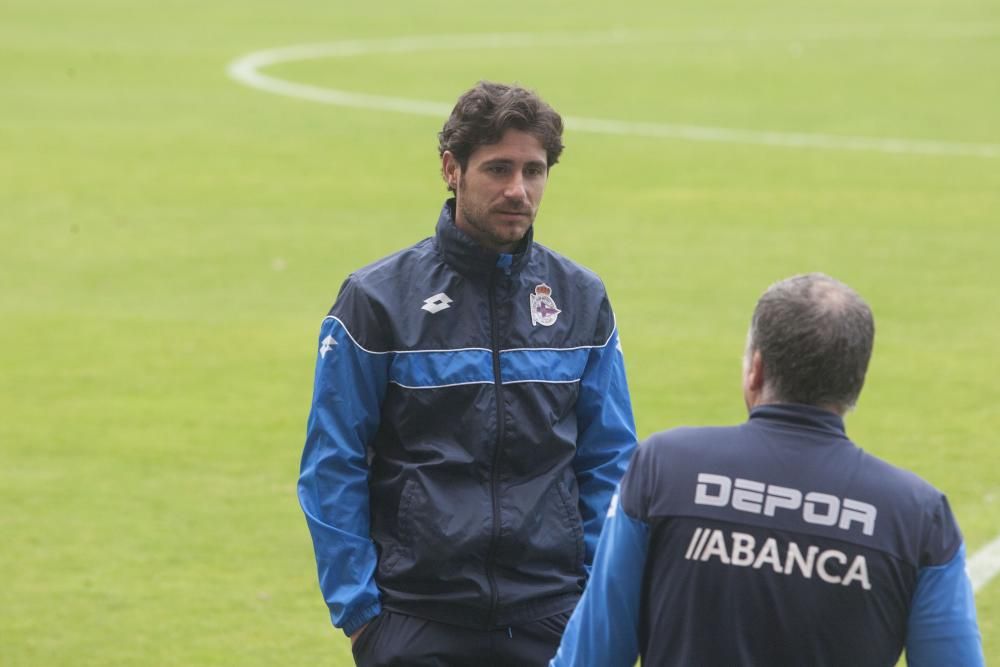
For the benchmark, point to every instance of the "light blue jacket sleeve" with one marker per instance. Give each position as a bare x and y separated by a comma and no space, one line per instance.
333,483
942,628
606,437
604,627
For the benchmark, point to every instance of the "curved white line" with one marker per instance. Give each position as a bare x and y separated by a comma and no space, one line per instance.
506,382
441,386
246,70
364,349
984,565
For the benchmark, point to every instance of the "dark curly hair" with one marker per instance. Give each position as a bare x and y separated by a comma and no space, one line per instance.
485,112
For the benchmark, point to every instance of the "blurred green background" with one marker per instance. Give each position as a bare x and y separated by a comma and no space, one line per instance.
171,239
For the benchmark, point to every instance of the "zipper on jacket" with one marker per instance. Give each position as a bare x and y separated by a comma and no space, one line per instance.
494,495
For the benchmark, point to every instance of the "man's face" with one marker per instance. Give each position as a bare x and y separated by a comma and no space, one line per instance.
498,194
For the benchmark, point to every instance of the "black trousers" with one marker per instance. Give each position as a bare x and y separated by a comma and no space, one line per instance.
397,640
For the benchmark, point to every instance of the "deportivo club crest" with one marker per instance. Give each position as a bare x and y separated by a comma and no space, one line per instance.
543,308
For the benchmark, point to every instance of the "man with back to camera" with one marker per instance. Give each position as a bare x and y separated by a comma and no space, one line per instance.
779,541
470,418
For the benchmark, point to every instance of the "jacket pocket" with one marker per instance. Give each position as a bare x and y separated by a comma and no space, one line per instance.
402,543
574,522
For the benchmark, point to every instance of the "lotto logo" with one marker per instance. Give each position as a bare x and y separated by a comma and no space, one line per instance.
436,303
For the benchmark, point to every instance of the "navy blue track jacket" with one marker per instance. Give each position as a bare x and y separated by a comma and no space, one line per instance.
470,422
775,543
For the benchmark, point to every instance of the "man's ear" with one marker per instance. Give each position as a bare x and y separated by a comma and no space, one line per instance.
753,379
451,170
755,372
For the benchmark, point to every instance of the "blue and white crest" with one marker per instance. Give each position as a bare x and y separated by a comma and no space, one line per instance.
543,308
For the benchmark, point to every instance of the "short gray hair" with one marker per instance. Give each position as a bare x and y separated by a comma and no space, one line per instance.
815,337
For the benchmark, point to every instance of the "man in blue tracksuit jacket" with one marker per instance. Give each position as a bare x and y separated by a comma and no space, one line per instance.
470,418
779,542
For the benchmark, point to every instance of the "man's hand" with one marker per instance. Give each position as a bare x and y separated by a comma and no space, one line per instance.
357,633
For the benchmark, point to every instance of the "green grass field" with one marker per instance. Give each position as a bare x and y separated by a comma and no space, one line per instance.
170,240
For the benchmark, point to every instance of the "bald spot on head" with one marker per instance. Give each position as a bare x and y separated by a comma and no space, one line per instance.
815,337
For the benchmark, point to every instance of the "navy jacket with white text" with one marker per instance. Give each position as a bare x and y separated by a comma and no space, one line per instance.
469,424
777,542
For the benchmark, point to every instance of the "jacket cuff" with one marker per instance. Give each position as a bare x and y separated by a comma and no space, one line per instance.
358,620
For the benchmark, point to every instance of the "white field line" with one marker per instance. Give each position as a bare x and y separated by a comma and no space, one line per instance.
984,565
247,70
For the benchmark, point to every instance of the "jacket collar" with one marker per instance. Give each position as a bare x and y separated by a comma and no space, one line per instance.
796,414
468,257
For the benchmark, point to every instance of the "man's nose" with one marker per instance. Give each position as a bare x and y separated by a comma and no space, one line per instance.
515,188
